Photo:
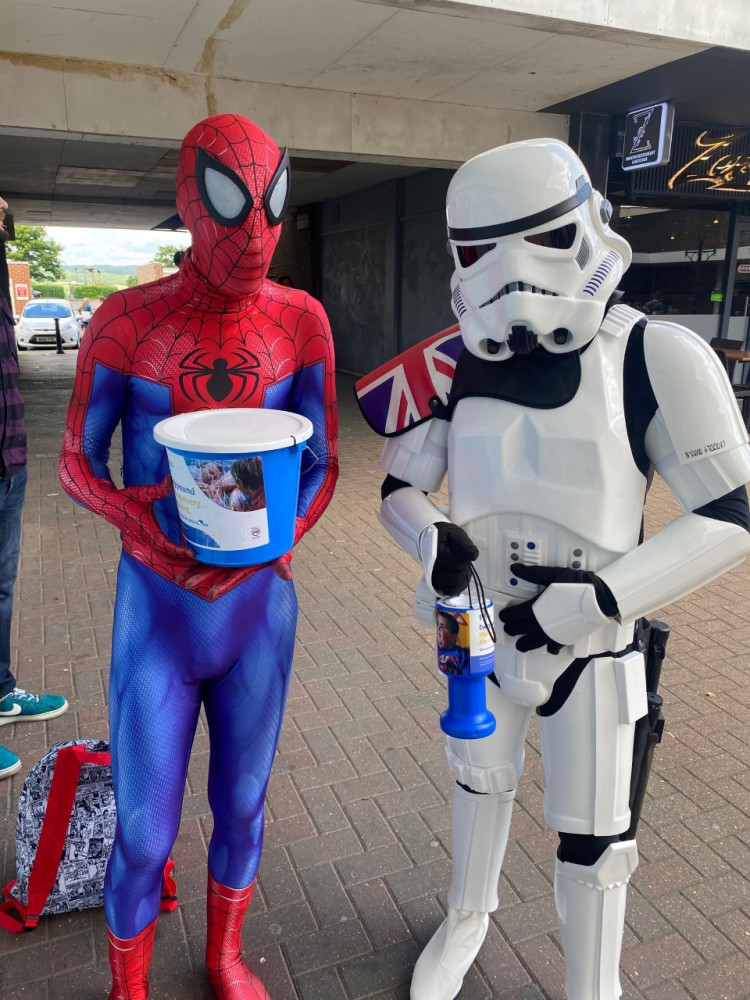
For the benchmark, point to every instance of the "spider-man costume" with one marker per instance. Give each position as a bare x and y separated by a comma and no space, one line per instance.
215,334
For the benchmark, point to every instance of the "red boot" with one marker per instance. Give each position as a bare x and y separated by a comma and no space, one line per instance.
229,975
129,959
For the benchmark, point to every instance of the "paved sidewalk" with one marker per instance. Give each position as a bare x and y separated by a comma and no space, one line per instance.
356,862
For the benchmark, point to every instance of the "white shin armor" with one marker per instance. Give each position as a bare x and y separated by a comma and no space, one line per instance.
590,904
480,835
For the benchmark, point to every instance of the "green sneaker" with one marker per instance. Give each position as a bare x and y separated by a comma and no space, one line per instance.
20,706
9,763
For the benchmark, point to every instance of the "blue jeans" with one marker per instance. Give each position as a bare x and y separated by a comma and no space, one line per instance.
12,493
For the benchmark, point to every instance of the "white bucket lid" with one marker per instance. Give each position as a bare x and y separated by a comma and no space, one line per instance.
234,430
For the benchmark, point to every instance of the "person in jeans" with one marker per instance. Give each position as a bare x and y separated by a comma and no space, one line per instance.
16,705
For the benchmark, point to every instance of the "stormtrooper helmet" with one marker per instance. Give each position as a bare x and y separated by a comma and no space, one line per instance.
535,258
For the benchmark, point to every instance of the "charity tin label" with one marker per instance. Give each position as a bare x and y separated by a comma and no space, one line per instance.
464,644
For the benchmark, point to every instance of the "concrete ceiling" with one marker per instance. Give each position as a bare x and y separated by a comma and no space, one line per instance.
464,54
116,185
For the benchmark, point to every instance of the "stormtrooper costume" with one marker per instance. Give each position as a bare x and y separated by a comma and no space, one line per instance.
561,405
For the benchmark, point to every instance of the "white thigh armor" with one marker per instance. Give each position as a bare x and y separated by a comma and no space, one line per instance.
493,763
587,748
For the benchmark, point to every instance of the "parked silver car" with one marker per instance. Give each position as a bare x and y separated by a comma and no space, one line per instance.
36,327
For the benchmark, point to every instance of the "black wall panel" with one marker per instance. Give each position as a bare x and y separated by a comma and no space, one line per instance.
384,270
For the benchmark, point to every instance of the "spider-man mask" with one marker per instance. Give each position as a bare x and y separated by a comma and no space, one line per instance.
232,191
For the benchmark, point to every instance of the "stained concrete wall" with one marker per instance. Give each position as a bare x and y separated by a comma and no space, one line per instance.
82,98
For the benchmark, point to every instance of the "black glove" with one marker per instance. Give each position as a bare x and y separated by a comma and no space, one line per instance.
455,551
520,618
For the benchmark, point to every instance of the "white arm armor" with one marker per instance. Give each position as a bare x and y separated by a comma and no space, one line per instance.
406,514
689,552
699,445
418,457
568,612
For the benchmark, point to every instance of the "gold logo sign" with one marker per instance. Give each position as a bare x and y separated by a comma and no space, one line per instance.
716,165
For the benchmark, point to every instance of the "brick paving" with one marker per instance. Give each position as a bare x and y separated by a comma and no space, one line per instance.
356,862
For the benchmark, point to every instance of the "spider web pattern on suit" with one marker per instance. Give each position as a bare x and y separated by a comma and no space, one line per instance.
245,154
147,333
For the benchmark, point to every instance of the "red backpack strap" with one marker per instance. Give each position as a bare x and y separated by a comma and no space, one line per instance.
51,845
12,913
16,917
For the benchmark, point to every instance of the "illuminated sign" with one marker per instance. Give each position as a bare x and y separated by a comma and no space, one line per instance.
718,165
648,137
22,291
706,163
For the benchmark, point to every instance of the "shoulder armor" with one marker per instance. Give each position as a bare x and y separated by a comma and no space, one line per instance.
674,352
698,439
412,387
620,319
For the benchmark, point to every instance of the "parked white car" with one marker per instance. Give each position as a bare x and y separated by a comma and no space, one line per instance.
36,327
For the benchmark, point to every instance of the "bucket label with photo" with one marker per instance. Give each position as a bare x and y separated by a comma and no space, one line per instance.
464,644
221,501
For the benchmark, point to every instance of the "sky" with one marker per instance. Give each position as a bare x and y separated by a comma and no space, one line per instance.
111,246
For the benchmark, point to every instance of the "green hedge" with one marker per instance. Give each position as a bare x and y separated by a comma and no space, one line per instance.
49,291
92,291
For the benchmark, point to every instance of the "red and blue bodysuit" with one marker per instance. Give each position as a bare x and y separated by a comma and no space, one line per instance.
216,334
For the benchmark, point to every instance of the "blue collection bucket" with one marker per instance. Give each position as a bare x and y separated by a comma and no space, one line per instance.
236,481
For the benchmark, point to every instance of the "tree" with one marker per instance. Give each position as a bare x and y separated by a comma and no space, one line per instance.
40,251
132,281
165,254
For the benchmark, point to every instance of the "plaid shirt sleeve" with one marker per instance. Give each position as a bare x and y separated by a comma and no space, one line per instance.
13,435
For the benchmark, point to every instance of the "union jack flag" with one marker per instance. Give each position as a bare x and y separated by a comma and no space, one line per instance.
397,395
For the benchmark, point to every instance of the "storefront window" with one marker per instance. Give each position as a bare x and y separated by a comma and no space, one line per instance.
678,259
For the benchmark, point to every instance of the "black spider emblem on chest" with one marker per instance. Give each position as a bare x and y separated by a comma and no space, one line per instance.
224,380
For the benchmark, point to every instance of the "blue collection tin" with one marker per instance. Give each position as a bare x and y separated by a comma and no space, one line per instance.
466,655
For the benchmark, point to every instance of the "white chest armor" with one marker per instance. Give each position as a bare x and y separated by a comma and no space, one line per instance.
555,487
560,487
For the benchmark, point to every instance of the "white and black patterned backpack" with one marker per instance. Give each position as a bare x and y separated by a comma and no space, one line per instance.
64,836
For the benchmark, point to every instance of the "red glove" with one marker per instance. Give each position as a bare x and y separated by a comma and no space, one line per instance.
282,566
132,511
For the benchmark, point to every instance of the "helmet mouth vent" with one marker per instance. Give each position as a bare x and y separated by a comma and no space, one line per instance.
517,286
522,340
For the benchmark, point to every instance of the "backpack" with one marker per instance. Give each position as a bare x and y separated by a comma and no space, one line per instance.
64,837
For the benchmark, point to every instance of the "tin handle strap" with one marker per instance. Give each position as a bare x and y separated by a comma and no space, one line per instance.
481,601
